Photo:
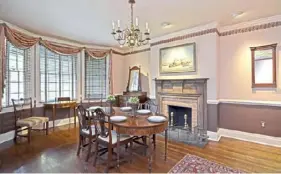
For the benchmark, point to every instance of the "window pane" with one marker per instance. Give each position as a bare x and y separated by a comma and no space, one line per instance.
60,71
96,80
18,71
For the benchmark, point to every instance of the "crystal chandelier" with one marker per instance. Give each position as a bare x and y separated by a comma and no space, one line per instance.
131,36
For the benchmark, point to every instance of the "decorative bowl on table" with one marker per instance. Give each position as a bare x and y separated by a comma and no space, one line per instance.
126,109
118,118
156,119
143,111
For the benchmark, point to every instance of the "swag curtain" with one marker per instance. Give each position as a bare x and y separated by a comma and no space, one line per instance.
2,63
24,41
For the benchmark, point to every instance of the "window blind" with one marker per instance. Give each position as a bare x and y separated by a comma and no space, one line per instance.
58,75
96,77
18,74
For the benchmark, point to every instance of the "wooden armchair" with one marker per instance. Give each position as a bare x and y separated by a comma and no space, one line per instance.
87,133
25,120
108,137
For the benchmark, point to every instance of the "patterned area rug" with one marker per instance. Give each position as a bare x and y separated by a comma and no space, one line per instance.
195,164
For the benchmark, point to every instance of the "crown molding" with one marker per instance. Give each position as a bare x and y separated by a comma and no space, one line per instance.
252,23
185,32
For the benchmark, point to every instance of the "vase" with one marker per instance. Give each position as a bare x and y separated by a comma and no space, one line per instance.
134,109
110,103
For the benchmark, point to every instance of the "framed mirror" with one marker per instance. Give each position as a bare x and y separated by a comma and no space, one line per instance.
134,81
264,66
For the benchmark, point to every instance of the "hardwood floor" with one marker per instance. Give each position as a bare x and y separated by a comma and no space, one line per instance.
57,153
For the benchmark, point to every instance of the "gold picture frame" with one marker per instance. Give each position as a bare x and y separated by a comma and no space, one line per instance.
178,59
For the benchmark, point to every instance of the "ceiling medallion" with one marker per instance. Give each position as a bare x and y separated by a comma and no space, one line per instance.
131,36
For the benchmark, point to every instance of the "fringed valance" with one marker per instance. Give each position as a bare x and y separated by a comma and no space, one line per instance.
97,53
60,49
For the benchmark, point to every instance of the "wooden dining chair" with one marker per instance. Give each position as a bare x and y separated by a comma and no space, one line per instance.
108,137
60,99
25,120
95,97
150,105
87,133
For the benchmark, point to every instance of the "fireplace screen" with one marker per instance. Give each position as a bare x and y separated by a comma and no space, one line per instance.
181,128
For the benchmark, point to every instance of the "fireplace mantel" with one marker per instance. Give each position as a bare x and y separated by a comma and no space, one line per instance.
183,91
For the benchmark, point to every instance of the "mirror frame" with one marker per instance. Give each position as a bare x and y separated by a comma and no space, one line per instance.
264,85
128,84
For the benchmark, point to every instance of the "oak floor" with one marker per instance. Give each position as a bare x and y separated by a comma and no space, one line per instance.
57,153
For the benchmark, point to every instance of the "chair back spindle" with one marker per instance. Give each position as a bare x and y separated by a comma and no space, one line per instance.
84,123
100,124
22,107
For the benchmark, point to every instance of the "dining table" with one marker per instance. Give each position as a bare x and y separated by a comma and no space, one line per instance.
139,125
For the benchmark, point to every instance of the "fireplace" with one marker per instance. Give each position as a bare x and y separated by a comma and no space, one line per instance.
184,101
180,116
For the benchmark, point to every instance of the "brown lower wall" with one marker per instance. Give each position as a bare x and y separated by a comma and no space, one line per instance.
212,117
7,120
247,118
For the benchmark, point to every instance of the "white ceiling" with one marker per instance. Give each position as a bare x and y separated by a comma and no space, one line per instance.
89,21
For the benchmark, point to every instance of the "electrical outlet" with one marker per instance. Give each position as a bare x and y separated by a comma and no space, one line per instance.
263,124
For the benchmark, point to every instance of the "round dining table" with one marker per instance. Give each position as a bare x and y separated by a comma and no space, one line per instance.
139,126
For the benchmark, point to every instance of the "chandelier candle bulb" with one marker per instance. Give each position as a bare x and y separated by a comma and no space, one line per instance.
137,22
146,26
113,25
118,23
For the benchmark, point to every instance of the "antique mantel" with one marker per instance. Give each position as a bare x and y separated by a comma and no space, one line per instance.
185,92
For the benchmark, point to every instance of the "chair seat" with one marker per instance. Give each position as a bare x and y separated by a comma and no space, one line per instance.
32,121
123,137
87,131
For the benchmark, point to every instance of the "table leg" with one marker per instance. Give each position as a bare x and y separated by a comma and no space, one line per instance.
166,141
53,116
74,112
118,150
149,154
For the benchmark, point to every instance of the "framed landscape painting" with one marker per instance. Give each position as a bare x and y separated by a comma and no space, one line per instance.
178,59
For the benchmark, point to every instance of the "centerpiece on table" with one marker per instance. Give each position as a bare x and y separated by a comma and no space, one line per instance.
111,100
134,103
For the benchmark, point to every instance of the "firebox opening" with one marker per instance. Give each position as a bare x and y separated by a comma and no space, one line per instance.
180,116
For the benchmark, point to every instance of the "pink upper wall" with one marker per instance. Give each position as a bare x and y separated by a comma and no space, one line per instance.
118,71
235,65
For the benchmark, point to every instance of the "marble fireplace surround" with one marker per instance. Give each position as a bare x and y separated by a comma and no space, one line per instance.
191,93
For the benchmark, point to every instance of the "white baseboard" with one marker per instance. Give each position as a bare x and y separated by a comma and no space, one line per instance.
213,136
7,136
251,137
10,135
